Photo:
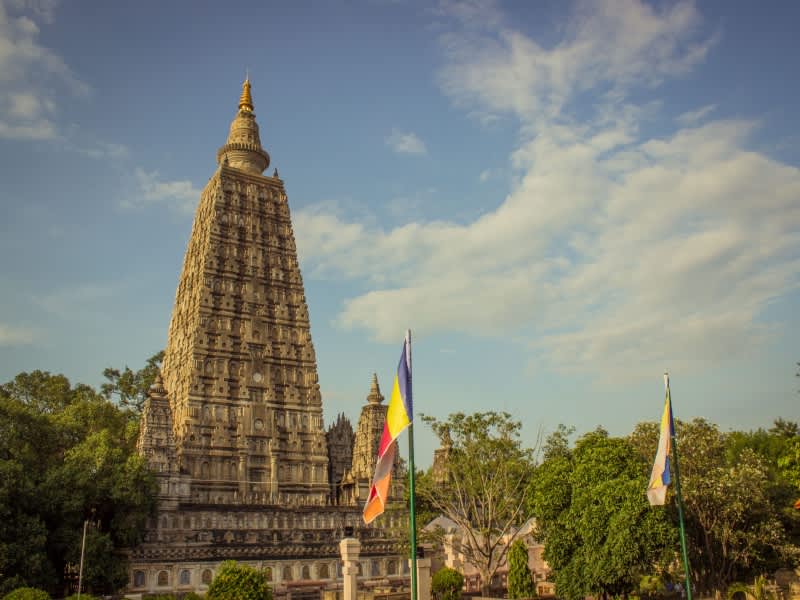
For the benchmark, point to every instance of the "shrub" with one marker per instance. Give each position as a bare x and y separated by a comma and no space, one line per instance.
27,593
84,596
192,596
447,584
651,586
520,583
238,582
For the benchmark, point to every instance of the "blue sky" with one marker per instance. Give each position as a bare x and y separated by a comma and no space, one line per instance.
560,199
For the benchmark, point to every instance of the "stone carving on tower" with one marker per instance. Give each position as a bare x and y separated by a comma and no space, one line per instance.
233,426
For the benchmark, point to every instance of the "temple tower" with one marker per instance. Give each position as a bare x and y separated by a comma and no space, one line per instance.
233,428
240,367
356,481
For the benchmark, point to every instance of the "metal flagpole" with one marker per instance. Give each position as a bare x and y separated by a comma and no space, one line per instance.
679,499
413,517
80,569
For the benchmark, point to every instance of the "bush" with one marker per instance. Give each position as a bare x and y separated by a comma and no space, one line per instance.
84,596
27,593
651,586
238,582
192,596
447,584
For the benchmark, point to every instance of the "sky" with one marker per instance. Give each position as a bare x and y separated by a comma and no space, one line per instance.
560,199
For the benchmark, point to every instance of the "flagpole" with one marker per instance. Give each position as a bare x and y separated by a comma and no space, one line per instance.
411,497
679,501
80,570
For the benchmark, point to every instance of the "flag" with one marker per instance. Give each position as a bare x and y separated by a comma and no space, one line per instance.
660,477
398,417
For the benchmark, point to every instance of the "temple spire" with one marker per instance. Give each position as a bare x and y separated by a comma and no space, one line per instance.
375,396
243,149
246,100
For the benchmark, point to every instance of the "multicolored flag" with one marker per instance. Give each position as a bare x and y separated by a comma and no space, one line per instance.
398,417
660,477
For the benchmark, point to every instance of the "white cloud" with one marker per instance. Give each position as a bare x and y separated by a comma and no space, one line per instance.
180,196
695,116
31,75
615,253
609,44
11,335
406,142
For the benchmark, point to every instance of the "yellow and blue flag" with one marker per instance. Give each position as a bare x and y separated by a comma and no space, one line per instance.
398,417
660,477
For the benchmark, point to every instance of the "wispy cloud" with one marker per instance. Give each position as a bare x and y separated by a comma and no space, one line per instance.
11,335
615,252
693,117
406,142
180,196
27,106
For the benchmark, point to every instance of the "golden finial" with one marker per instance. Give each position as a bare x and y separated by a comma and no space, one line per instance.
245,100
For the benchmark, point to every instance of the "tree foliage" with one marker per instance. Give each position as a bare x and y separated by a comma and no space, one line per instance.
520,582
67,455
130,387
484,489
235,581
447,584
27,593
736,500
599,533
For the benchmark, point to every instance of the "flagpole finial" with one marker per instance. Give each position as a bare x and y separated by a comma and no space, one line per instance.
666,378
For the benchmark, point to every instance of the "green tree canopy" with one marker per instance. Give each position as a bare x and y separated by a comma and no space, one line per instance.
737,507
130,387
447,584
599,532
484,487
67,455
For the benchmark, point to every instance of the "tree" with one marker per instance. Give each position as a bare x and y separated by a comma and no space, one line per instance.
520,582
599,532
447,584
484,489
67,455
730,489
234,581
131,387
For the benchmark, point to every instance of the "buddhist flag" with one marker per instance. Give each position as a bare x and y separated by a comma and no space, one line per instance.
398,417
660,477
